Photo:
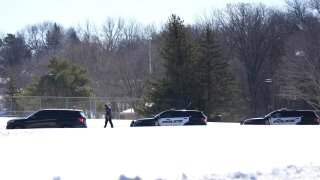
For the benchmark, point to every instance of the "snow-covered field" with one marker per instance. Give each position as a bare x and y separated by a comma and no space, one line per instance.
216,151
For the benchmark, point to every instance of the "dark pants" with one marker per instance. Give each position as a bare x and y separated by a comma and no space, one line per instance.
106,122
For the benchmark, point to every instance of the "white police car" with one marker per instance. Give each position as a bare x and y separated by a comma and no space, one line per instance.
173,118
286,117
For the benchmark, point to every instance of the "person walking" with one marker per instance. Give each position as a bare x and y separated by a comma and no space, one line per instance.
108,116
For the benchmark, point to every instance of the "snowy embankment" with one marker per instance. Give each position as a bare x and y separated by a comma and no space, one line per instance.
216,151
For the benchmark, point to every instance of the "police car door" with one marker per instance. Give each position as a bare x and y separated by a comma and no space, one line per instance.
284,118
173,118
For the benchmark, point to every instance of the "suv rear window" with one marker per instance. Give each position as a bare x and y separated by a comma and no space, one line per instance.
71,114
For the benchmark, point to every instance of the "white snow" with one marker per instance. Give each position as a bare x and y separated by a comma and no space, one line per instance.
216,151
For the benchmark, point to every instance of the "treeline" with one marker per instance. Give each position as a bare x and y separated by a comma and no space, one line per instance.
124,58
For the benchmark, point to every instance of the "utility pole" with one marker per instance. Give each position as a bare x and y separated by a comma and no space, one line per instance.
272,86
150,67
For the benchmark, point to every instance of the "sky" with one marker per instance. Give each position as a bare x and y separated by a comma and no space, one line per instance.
17,14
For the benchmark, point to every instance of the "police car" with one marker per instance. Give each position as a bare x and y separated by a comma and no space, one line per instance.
286,117
173,118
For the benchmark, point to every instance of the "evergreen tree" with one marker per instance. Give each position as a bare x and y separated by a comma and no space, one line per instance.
54,38
13,54
12,89
64,80
72,37
217,85
176,88
13,51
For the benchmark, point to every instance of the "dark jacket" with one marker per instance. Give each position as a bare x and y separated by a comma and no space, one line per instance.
108,112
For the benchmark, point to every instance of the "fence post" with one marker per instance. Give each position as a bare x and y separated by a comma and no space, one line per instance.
131,104
40,103
11,105
95,108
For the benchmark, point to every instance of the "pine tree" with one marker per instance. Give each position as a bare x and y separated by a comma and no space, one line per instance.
54,38
63,80
176,88
72,37
217,85
13,51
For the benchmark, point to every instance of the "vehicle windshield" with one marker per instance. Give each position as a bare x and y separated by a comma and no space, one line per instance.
268,115
157,115
29,115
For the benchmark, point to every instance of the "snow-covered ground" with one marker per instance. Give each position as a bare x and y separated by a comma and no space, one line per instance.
217,151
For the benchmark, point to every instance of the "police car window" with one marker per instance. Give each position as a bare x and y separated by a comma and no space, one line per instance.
165,114
276,115
179,114
294,114
288,114
196,115
307,114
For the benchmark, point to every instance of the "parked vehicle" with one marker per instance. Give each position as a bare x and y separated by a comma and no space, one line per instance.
173,118
286,117
50,118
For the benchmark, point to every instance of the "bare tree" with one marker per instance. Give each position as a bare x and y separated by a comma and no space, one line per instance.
112,33
35,36
299,9
133,58
117,60
300,71
254,36
300,74
315,4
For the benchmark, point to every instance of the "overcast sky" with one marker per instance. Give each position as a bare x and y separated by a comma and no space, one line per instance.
16,14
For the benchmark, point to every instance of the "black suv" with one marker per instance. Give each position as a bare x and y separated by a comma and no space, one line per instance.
173,118
285,117
50,118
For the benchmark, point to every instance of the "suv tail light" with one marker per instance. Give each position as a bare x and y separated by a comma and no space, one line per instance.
203,119
81,120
